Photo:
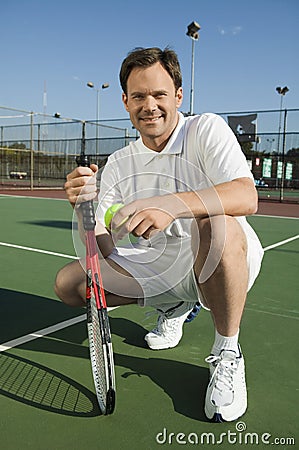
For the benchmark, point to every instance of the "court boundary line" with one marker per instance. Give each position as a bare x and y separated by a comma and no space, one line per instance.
61,325
41,333
274,217
63,255
44,332
31,196
37,250
285,316
278,244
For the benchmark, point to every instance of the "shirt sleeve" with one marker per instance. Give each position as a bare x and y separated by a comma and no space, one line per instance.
220,152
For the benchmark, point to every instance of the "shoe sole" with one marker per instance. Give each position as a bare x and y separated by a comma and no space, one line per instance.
162,347
217,417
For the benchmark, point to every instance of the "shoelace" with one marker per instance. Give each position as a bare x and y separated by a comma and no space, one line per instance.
223,373
164,323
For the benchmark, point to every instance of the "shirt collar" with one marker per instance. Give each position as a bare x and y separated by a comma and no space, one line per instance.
174,145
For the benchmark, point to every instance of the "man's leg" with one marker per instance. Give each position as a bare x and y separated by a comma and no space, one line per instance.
120,287
223,251
221,269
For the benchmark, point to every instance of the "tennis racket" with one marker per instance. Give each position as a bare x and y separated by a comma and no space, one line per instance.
98,328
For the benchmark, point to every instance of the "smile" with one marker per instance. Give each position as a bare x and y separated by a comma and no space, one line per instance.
150,119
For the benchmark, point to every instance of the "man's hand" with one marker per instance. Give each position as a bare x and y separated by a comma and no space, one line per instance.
81,184
143,217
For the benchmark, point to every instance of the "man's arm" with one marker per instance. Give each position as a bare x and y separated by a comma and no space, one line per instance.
235,198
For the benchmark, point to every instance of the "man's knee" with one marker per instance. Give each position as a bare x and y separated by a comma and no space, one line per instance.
219,231
67,283
220,242
59,284
207,233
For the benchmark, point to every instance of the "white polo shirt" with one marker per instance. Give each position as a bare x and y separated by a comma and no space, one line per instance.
202,152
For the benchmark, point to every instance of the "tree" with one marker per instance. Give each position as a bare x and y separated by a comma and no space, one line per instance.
18,145
293,152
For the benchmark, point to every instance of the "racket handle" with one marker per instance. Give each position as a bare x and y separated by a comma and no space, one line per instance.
89,221
83,160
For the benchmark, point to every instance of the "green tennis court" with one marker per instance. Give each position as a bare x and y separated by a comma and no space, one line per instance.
47,397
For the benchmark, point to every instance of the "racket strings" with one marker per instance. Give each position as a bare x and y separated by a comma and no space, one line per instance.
101,353
97,354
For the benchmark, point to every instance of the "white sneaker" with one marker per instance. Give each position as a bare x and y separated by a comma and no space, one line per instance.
169,329
226,397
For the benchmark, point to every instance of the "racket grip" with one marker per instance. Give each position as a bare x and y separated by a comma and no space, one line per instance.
89,221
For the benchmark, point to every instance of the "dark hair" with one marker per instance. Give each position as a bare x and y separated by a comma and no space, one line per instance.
146,57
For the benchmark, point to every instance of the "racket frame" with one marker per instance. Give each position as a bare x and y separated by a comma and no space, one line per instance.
95,299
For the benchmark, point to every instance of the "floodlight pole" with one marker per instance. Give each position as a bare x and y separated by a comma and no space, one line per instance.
104,86
282,92
283,156
192,32
31,152
192,79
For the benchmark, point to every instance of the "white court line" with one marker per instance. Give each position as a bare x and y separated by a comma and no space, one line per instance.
44,332
37,334
275,217
8,196
37,250
271,313
278,244
63,255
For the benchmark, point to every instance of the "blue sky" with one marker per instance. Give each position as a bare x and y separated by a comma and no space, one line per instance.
246,49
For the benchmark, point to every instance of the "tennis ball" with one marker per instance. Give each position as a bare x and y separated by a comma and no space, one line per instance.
127,240
110,213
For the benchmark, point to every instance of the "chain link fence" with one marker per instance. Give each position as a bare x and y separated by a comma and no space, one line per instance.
270,141
38,150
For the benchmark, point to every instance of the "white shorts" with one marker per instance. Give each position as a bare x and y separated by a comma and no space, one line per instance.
163,266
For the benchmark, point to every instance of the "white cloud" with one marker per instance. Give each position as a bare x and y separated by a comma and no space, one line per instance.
221,31
232,31
236,30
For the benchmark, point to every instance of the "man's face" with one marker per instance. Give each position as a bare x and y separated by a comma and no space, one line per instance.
152,103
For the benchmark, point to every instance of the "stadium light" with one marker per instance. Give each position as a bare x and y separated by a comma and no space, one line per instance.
91,85
283,90
192,32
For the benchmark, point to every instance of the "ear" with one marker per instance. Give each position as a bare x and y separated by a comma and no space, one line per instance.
179,97
125,101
